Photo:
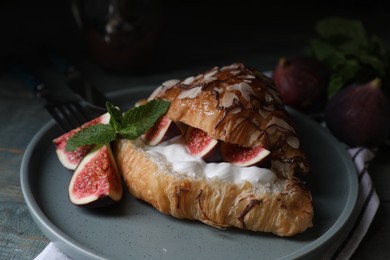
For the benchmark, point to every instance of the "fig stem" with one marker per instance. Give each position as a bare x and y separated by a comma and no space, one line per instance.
283,62
376,83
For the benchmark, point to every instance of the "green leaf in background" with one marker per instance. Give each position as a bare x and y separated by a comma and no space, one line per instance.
377,45
374,62
341,29
352,58
320,49
343,76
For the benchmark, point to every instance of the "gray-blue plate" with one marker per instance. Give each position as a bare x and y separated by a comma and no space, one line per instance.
132,229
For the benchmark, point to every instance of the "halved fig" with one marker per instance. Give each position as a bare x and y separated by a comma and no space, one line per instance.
243,156
199,143
164,129
96,181
70,160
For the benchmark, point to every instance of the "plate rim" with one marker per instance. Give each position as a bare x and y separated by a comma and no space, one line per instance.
61,239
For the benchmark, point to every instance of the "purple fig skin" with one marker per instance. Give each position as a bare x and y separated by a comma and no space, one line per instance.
302,82
359,115
102,202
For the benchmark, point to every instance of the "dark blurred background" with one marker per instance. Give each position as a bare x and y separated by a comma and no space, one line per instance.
194,33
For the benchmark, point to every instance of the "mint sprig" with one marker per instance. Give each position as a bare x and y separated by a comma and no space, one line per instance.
129,125
351,55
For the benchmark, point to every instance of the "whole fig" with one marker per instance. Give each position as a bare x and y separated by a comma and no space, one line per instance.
359,115
302,82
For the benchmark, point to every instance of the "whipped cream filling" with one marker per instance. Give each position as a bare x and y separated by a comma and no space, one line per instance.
175,155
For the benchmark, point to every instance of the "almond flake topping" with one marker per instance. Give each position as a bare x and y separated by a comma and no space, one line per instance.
247,76
232,66
245,89
235,72
164,87
293,141
189,80
213,72
190,93
170,83
210,79
228,99
199,76
235,110
275,95
281,123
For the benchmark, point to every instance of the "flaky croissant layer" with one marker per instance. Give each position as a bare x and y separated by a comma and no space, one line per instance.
283,208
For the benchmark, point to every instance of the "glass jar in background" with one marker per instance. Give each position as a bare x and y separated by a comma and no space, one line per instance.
120,35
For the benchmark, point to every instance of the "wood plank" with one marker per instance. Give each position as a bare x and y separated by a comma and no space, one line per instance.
20,237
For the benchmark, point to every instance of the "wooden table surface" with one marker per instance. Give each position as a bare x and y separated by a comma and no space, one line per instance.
187,47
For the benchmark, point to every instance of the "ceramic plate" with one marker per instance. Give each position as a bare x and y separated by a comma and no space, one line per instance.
132,229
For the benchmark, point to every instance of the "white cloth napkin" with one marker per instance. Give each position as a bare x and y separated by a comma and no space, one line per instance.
52,252
368,203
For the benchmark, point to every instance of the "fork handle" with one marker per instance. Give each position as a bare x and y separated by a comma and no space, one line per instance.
31,80
62,64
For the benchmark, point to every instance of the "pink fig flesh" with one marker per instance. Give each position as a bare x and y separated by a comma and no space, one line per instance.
359,115
96,181
70,160
164,129
243,156
198,142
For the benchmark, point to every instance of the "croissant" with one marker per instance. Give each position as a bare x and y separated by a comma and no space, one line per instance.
239,108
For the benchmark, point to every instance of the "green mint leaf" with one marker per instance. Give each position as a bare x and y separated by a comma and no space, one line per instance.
130,125
94,134
139,119
343,76
350,55
338,29
380,48
130,132
320,49
115,116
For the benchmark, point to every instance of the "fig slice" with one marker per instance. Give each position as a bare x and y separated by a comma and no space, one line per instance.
70,160
243,156
164,129
199,143
96,181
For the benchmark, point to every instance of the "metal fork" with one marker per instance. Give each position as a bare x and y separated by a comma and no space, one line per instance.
68,113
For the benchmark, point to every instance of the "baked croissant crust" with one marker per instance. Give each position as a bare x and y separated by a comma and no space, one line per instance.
283,207
238,105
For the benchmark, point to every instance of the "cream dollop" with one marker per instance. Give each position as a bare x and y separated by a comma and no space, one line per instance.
179,161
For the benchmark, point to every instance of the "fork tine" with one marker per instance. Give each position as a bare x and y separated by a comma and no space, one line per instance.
58,117
68,115
77,112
